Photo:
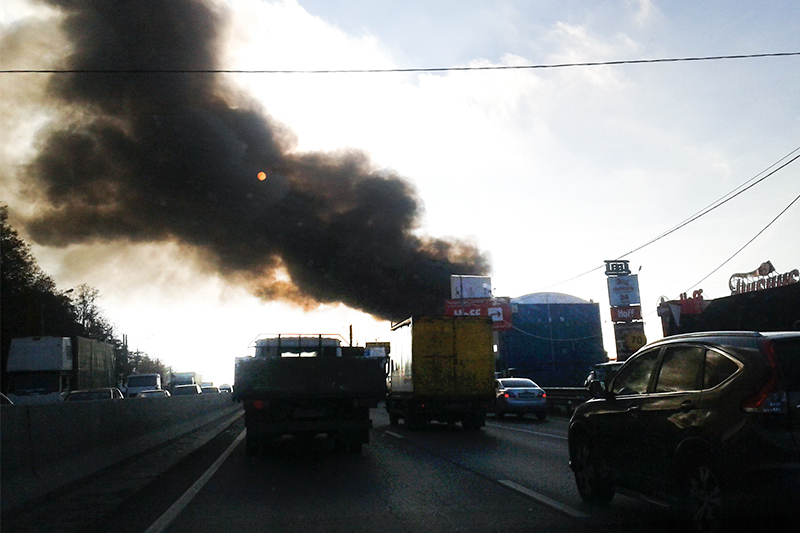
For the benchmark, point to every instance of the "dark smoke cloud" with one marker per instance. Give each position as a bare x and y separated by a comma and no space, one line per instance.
152,156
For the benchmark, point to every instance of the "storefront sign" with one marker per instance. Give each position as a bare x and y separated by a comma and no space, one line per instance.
764,277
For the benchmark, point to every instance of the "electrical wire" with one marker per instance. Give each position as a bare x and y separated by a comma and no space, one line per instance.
745,245
721,201
747,185
399,70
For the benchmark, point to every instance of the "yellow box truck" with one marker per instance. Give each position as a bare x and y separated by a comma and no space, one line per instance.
441,369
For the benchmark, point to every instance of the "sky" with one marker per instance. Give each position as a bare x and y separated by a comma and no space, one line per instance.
543,174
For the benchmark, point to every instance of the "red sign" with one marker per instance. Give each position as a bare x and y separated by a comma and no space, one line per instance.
499,309
626,313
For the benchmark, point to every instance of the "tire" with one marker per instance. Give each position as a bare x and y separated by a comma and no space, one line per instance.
592,487
704,503
354,447
414,421
472,422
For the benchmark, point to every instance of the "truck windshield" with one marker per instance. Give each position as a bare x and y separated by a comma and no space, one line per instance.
34,383
142,381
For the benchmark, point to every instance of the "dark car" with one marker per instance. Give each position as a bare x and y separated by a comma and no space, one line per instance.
187,390
709,422
519,396
105,393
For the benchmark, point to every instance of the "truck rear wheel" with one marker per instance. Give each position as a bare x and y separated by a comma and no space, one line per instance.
473,421
414,421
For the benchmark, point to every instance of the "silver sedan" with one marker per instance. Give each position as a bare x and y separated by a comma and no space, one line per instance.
519,396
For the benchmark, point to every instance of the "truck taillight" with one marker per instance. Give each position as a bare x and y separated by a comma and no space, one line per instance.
258,404
771,398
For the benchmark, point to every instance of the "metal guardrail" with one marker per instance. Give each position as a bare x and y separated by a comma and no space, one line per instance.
567,398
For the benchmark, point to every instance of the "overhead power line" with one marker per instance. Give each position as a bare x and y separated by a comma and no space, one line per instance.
746,244
723,200
747,185
398,70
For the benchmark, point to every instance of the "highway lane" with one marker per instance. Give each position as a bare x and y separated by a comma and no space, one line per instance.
395,484
512,476
533,456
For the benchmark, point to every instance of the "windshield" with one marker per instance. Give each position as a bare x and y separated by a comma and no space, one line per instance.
142,381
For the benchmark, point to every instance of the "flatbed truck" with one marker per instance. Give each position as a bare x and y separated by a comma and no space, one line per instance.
307,385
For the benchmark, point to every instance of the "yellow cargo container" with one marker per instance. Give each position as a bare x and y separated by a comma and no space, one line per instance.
442,369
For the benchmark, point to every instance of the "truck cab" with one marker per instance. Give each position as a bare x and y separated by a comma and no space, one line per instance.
39,369
136,383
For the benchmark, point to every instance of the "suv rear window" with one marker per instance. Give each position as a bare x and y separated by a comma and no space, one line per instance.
718,368
788,353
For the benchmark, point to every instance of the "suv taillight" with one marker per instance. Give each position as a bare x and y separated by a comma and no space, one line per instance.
772,397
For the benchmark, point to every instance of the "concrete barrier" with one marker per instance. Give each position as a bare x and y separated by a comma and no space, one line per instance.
46,447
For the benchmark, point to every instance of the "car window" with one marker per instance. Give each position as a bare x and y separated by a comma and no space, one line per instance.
634,377
681,369
507,383
718,368
788,353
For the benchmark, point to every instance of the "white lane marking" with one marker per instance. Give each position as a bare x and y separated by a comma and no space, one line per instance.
544,500
528,431
172,513
393,434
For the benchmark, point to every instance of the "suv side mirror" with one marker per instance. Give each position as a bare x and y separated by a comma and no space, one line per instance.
597,388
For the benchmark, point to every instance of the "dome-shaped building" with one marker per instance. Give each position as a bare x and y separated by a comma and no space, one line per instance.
555,339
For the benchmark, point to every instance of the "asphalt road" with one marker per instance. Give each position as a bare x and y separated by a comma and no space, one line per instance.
512,476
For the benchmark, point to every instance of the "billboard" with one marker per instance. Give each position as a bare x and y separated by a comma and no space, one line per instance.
626,313
470,287
623,290
499,309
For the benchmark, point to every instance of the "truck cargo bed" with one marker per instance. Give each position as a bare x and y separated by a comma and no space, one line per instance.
310,377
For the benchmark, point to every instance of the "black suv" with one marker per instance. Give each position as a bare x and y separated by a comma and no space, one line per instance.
709,422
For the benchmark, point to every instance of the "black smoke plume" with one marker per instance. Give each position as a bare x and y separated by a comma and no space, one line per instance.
151,156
